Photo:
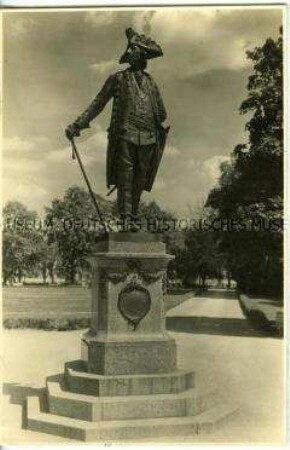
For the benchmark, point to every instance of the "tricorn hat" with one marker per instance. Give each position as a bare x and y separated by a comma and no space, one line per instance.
147,47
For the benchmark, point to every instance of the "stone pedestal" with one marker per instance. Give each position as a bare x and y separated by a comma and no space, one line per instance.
127,334
127,385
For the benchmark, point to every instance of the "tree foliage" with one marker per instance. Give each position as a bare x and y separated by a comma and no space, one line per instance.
61,244
74,228
251,185
199,258
20,239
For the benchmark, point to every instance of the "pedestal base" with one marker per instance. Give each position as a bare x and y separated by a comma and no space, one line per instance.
127,385
132,356
181,411
128,334
79,380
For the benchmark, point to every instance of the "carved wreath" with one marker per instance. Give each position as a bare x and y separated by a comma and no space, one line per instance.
133,266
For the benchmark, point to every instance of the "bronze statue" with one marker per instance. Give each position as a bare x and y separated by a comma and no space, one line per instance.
136,135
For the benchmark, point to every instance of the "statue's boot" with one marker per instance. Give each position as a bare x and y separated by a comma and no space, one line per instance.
138,187
136,202
125,201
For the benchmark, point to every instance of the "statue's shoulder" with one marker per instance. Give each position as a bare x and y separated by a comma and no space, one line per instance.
149,77
120,74
116,79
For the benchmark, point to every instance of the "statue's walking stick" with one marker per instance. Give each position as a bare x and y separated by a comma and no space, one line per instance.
75,154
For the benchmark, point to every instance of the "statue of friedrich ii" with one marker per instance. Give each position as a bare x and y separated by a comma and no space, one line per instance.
136,137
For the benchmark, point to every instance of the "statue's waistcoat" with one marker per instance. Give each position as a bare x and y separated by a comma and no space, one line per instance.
123,108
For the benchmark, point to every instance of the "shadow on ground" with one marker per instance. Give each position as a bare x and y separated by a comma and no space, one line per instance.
277,303
216,326
18,395
228,294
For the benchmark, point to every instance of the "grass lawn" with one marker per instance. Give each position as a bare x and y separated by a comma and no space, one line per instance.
58,308
46,300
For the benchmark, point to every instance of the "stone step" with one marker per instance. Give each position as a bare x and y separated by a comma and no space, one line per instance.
116,430
215,417
92,408
80,381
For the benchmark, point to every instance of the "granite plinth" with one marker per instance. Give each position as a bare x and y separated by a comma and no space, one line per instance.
129,429
93,408
125,357
79,380
128,337
127,242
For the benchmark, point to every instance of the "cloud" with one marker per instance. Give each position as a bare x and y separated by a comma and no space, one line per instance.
22,158
64,154
159,184
28,192
172,152
104,67
21,26
192,37
14,166
95,147
42,140
201,40
99,18
142,21
24,168
211,166
92,150
202,77
35,177
194,163
183,24
16,145
58,156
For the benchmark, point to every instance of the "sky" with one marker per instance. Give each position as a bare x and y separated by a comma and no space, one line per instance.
55,62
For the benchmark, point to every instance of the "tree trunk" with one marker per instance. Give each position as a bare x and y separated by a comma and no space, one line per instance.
7,276
51,274
19,275
71,275
44,274
80,276
229,280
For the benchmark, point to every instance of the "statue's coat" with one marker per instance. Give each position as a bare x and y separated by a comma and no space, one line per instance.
117,87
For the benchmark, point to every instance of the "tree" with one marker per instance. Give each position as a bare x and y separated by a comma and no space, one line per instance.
251,185
201,258
73,226
46,256
19,237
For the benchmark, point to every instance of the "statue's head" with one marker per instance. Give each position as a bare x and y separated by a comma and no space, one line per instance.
135,58
139,49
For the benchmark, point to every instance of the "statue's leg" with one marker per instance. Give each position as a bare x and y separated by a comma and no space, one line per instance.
125,165
143,157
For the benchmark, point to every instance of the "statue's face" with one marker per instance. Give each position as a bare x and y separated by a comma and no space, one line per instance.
133,55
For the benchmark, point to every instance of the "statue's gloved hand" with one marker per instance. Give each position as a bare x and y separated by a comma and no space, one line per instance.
71,131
